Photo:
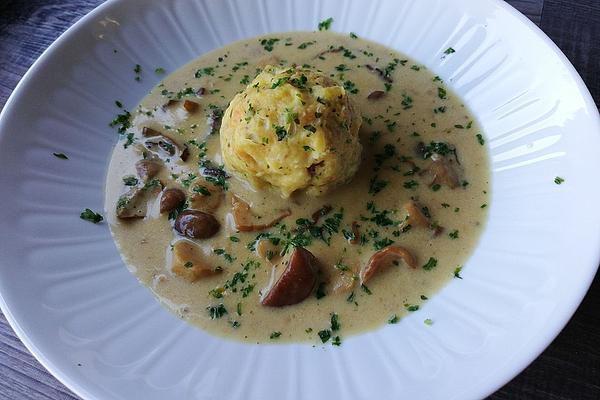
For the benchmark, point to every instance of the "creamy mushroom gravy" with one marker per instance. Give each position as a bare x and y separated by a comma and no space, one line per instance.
413,107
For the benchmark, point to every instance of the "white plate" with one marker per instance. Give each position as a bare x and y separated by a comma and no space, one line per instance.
86,318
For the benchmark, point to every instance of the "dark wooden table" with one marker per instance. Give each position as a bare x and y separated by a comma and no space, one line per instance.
568,369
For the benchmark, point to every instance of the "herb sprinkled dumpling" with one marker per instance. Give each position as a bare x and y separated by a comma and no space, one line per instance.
292,129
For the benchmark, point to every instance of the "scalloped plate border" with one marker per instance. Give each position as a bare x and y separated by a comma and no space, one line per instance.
526,153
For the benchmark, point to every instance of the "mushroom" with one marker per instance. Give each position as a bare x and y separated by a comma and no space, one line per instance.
376,95
383,258
196,224
188,263
243,216
190,106
214,120
148,168
442,172
296,282
205,196
134,203
162,145
418,216
344,283
171,199
355,233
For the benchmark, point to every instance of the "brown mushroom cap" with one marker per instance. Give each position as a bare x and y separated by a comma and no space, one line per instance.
296,282
383,258
196,224
171,199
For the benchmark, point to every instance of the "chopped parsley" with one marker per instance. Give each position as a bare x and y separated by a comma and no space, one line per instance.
122,122
376,185
335,322
325,335
268,44
275,335
365,289
457,272
130,180
206,71
351,87
89,215
431,264
411,184
217,311
411,307
62,156
428,322
353,35
480,139
406,102
325,24
453,234
280,132
159,71
320,293
449,50
393,319
442,93
138,70
558,180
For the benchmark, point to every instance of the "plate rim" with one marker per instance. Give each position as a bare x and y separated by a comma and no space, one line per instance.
535,349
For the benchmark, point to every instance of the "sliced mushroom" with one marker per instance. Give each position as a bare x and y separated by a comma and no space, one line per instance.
190,106
442,172
381,73
205,196
196,224
245,220
162,145
383,258
148,168
168,104
188,262
418,217
171,199
149,132
376,95
355,233
296,282
331,49
415,217
214,120
134,203
344,283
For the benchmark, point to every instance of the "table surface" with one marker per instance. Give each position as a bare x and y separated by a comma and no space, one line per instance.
568,369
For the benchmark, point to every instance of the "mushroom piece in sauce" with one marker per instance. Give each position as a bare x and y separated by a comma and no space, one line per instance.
296,282
148,168
383,258
188,263
196,224
171,199
244,218
134,203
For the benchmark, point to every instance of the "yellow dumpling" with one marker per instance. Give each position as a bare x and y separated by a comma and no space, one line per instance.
293,129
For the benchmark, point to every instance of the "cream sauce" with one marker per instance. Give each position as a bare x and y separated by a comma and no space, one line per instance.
413,110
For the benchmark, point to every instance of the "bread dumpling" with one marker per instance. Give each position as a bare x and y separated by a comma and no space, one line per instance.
292,129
